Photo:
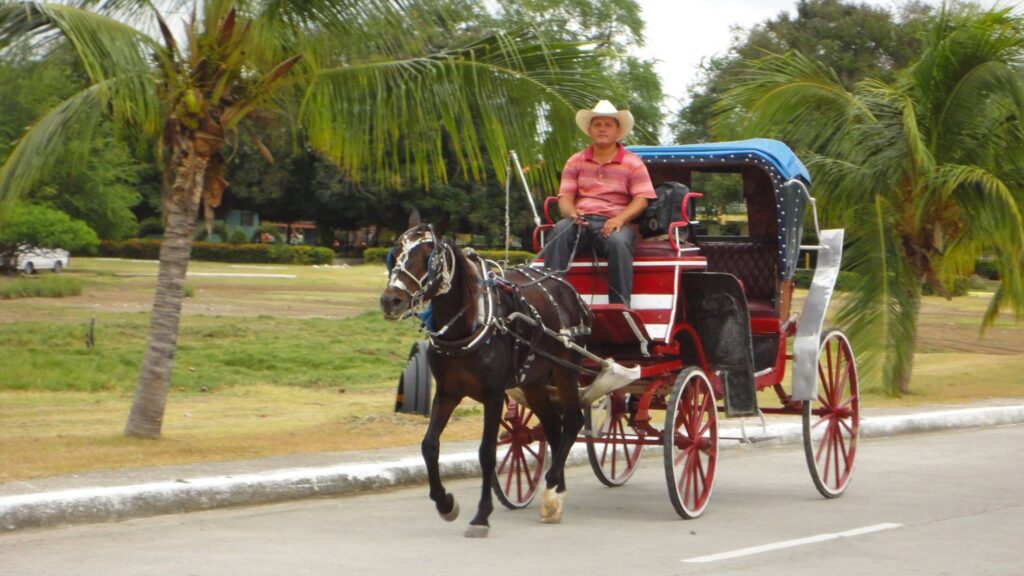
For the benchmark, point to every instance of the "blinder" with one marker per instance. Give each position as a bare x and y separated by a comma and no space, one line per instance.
440,265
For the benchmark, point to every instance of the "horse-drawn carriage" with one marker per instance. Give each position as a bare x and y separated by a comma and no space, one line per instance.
711,323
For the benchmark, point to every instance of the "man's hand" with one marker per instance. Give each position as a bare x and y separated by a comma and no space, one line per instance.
612,226
567,206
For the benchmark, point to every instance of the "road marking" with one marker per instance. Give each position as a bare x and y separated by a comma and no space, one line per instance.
791,543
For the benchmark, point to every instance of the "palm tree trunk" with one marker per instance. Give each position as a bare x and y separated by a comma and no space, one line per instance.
147,412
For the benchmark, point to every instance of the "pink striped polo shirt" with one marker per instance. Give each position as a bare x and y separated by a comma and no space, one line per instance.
605,189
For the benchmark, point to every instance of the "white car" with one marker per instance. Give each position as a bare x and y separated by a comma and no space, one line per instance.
31,259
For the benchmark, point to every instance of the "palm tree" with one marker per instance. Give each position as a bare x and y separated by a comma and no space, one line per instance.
926,173
355,78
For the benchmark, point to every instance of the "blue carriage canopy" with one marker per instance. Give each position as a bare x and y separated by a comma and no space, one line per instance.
775,153
773,157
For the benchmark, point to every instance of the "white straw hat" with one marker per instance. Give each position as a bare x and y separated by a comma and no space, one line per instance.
605,108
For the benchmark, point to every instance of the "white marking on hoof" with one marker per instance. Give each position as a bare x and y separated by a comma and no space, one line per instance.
551,506
453,514
475,531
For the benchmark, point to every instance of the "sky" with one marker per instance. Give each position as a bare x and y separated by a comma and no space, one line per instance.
680,33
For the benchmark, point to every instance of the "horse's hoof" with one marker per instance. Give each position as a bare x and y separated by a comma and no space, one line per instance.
475,531
551,506
453,513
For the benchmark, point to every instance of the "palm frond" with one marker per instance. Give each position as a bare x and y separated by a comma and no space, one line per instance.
107,49
793,97
397,118
42,143
881,309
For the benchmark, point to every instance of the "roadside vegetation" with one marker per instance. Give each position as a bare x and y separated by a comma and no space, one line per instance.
41,287
292,359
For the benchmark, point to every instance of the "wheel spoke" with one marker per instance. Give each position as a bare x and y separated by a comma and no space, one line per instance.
530,473
848,428
841,381
839,457
505,460
535,453
511,473
836,375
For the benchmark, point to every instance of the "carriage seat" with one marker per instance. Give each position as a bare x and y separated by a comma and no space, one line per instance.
753,264
656,247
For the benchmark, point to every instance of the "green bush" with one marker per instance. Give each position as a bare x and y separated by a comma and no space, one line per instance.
220,230
986,269
275,233
844,282
237,236
313,255
514,256
220,252
380,254
134,249
961,285
376,254
43,227
49,286
151,227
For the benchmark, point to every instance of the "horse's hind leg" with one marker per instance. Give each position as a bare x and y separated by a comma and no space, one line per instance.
440,412
551,500
566,380
479,526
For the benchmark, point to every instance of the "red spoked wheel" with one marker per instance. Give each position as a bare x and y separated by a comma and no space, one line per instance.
691,443
830,442
615,453
522,453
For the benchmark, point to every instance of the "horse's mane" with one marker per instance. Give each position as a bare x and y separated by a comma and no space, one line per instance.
466,280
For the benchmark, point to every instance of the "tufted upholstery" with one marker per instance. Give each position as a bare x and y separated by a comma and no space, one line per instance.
752,262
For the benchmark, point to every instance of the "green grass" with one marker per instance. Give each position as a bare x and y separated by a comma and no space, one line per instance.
304,362
355,353
45,286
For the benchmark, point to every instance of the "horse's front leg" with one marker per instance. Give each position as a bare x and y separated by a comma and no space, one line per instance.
479,526
440,412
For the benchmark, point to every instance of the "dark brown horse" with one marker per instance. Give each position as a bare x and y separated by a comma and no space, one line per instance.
486,339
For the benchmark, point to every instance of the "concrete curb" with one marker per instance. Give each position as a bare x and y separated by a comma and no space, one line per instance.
102,504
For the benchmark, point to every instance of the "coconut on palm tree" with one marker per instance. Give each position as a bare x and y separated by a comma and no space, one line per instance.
355,78
926,172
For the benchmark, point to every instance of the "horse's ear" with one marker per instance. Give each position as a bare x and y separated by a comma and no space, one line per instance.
441,228
414,218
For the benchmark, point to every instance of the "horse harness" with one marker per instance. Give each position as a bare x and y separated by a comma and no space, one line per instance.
491,278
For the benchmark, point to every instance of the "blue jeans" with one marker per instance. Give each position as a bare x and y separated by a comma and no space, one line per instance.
617,248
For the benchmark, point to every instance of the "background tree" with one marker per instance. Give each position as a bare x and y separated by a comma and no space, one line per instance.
364,86
856,40
26,225
95,177
318,191
616,26
925,172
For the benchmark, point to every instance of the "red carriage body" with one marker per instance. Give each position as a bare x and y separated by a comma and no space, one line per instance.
710,320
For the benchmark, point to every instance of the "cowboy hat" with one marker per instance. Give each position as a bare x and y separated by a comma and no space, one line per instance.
605,108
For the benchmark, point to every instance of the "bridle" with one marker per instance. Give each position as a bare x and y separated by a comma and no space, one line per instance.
437,280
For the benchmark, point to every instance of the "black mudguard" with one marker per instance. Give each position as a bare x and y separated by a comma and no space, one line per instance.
414,384
717,309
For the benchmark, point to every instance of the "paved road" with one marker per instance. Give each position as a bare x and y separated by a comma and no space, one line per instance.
941,503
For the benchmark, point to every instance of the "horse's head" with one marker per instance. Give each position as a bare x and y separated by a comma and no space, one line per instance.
420,267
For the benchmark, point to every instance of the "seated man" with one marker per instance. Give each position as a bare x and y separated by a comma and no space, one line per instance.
604,187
